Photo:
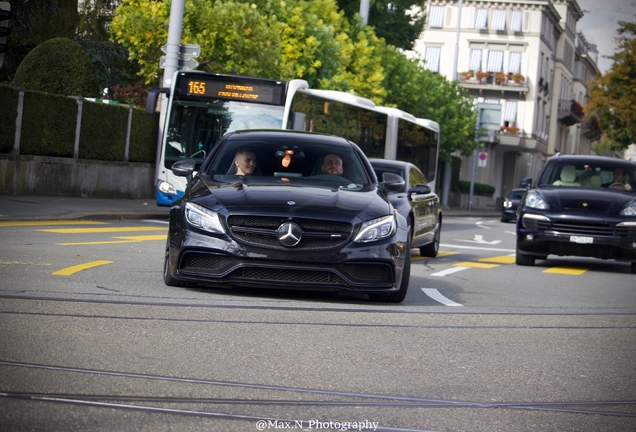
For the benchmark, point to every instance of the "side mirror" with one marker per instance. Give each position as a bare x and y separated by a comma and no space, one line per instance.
526,183
184,168
392,181
151,99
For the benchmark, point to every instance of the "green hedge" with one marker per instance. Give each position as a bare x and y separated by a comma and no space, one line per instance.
479,188
49,123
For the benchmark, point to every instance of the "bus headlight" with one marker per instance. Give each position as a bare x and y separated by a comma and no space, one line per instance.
202,218
377,229
166,187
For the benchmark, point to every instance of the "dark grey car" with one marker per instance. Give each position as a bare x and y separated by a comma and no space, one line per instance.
416,202
510,204
579,206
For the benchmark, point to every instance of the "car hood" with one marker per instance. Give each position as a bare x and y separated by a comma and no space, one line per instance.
289,200
587,201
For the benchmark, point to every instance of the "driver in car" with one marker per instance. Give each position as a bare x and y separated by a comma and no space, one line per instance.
245,162
332,164
619,180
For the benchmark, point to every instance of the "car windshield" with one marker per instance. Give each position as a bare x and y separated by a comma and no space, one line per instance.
590,175
516,195
286,160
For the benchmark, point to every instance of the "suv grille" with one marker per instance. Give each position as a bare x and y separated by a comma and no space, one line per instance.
585,228
263,231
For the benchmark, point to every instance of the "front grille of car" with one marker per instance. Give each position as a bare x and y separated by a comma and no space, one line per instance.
583,228
287,275
205,261
262,231
626,231
214,264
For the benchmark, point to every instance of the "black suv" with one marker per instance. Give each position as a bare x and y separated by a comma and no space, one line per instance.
580,206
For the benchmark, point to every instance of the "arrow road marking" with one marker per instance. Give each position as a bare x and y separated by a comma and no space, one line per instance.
74,269
435,295
479,239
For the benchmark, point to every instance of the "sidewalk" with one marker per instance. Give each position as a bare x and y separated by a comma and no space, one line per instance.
53,207
35,207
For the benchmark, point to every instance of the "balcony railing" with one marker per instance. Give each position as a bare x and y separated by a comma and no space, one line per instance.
494,80
569,112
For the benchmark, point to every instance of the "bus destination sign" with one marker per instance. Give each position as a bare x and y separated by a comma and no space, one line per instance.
232,89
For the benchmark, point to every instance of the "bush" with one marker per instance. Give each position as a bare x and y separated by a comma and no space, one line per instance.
479,188
58,66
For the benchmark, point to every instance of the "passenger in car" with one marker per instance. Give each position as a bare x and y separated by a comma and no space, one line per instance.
245,162
332,164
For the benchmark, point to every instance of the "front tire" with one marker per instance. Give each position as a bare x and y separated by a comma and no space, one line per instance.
167,277
524,259
432,249
633,268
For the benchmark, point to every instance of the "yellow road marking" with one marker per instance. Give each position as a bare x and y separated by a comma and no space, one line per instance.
439,254
571,270
42,223
102,230
502,259
475,265
131,239
74,269
446,253
24,263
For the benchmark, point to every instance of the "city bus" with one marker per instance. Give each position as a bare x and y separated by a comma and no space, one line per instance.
202,107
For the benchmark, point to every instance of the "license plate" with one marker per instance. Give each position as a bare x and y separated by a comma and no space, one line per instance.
582,240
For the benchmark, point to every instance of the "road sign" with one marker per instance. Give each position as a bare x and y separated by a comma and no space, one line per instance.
185,50
482,159
184,63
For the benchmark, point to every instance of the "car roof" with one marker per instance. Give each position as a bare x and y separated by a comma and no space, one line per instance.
287,135
589,158
388,162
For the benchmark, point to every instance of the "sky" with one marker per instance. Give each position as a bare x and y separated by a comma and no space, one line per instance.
600,22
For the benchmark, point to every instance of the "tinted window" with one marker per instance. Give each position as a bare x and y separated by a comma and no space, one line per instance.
566,173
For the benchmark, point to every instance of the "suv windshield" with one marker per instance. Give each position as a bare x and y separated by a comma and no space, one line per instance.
591,175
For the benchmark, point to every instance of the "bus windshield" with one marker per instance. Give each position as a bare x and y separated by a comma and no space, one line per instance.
194,126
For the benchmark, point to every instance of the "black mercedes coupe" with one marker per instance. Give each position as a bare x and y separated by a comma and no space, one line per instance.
580,206
292,210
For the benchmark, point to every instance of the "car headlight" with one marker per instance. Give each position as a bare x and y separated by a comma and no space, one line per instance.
200,217
377,229
166,187
630,210
507,204
536,202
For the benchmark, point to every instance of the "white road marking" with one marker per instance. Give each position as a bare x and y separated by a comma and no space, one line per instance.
479,239
449,271
477,248
480,224
435,295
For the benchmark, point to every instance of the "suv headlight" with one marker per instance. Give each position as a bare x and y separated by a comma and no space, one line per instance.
536,202
630,210
377,229
202,218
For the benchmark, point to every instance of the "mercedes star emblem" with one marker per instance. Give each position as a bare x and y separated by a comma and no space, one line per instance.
289,234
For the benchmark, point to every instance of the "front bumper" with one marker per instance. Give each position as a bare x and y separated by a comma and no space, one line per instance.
577,238
371,268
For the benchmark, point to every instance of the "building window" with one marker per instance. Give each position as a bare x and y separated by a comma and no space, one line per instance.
514,62
474,62
432,56
436,17
495,61
481,19
510,113
498,21
515,20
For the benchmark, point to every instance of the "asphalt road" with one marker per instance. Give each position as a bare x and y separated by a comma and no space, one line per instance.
91,339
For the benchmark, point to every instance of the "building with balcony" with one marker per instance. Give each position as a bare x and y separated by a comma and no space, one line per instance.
526,68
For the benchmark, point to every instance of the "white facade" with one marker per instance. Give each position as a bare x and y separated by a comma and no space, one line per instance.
518,59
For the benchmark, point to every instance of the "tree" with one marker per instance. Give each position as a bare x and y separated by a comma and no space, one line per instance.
399,22
612,96
58,66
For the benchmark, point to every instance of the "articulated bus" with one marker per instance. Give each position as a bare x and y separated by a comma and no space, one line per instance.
202,107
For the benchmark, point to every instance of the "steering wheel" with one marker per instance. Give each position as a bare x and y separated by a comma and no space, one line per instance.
200,151
617,185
